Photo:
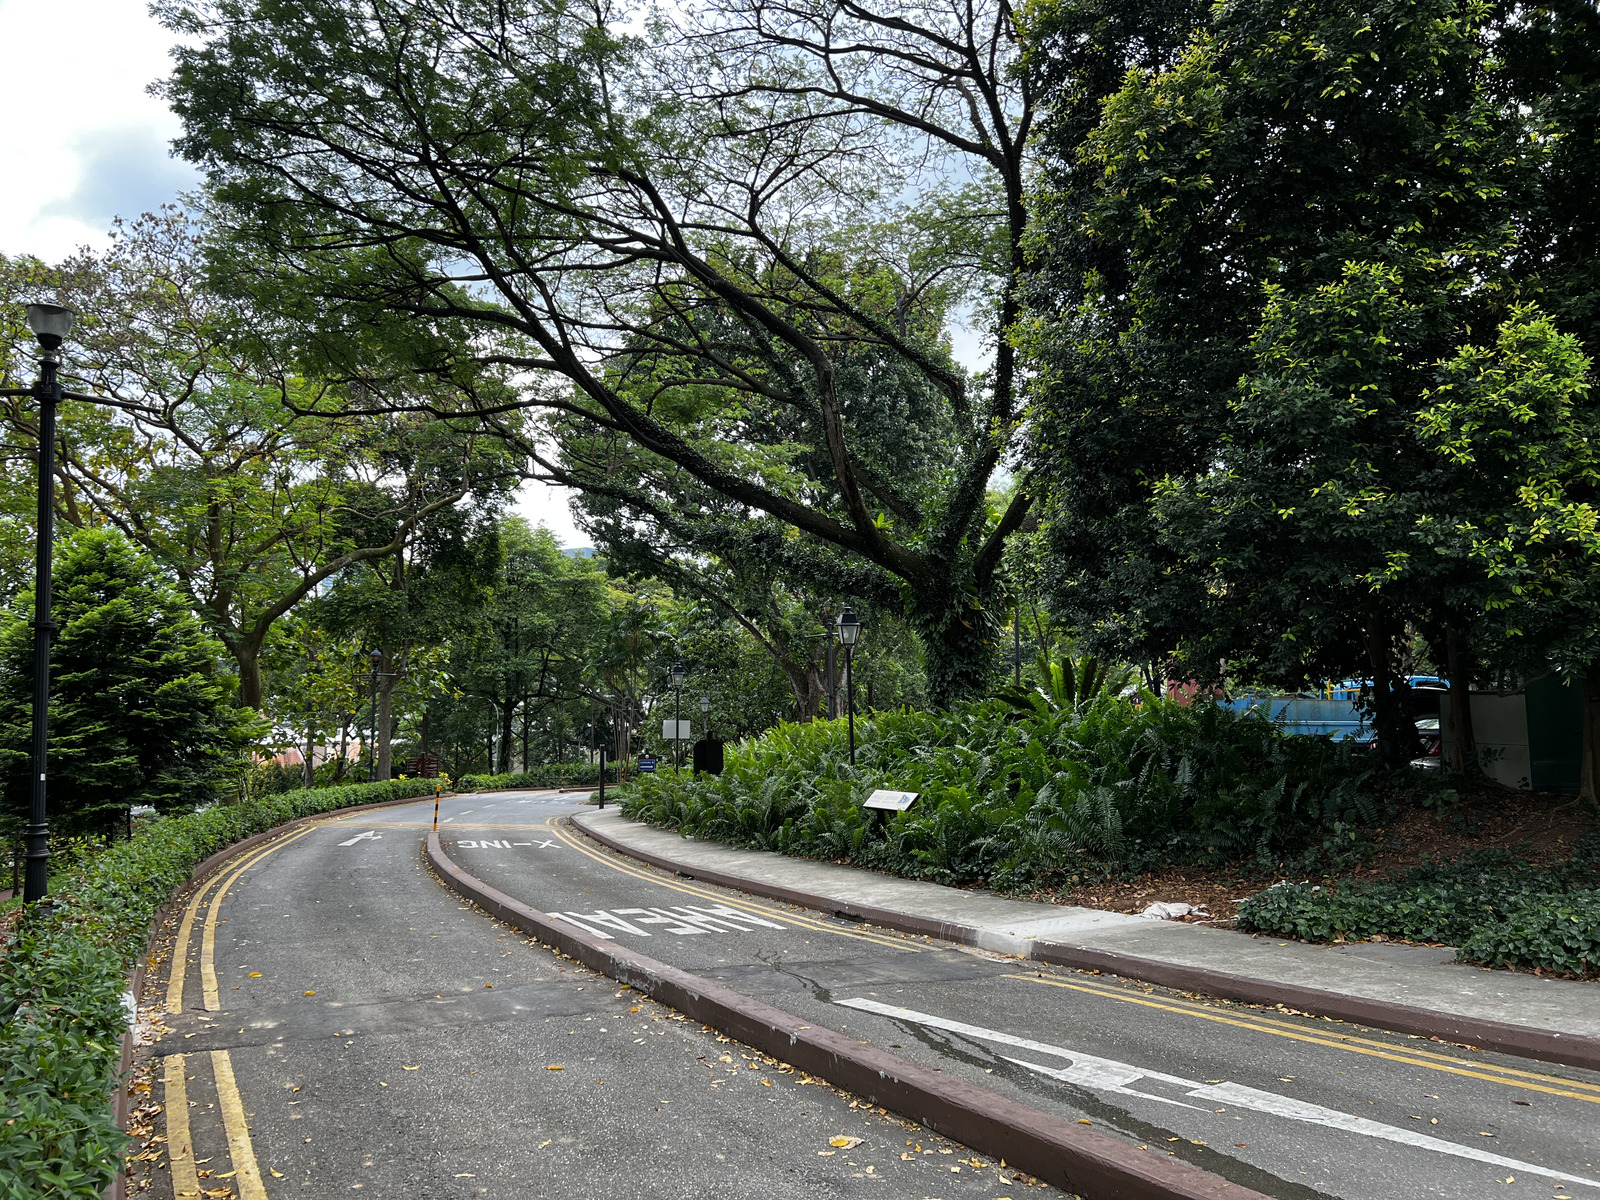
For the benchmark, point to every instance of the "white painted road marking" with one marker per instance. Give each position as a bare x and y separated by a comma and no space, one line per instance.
371,834
683,920
1108,1075
499,845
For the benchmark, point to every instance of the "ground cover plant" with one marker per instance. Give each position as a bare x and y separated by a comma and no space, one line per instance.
63,971
1497,908
1024,797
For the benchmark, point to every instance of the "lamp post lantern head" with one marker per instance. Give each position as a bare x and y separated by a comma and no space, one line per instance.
705,704
376,659
849,628
678,674
50,323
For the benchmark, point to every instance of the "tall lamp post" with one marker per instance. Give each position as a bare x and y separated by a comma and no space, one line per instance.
849,629
676,676
50,324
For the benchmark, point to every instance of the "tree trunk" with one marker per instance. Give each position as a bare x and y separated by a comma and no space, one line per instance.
807,685
525,724
422,733
1463,738
344,751
311,758
506,714
1589,778
960,645
1396,730
385,731
248,660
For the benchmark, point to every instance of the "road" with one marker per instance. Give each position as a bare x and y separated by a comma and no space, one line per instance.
1290,1106
340,1024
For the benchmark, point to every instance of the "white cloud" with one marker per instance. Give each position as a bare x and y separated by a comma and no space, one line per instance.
84,141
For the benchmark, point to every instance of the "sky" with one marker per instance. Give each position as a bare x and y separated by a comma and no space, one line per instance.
87,143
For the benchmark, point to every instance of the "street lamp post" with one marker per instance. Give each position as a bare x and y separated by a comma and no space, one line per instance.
50,323
705,715
376,659
677,675
849,628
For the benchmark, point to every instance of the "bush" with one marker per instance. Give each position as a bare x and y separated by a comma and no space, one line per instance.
1027,801
574,774
63,971
1497,909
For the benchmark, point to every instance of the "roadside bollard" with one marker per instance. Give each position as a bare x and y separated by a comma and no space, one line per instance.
437,788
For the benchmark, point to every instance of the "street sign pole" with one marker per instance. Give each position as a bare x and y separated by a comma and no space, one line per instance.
602,776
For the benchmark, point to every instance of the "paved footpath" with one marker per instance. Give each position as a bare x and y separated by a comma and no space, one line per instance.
1291,1107
333,1022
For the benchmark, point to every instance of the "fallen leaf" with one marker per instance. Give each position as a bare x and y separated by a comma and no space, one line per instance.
308,993
844,1143
487,985
466,1175
381,1083
635,1008
275,1173
418,1067
826,1153
255,974
1083,1121
554,1068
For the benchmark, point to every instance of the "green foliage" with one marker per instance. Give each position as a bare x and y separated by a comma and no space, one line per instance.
63,972
548,775
1072,792
140,712
1497,909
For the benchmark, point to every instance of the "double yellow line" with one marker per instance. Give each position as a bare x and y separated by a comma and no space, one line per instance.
180,1139
1509,1076
648,875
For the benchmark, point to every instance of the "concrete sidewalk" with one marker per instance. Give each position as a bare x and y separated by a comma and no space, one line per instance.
1410,989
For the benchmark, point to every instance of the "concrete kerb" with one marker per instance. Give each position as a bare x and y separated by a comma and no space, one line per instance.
121,1101
1061,1152
1503,1037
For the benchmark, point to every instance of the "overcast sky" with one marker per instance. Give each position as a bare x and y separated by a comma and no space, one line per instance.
84,143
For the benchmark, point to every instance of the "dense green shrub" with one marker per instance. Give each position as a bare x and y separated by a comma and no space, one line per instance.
573,774
64,969
1027,800
1497,909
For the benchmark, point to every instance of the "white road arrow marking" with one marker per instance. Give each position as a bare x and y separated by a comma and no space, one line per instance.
1108,1075
371,834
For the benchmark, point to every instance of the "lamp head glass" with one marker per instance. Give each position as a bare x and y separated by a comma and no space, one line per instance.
50,323
678,674
849,627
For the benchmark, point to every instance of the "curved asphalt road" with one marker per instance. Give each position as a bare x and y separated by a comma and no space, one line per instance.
442,1088
341,1024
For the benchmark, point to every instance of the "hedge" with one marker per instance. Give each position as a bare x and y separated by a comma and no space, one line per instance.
573,774
63,971
1495,908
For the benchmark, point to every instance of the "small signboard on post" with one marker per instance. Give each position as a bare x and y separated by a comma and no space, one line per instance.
891,801
647,765
683,733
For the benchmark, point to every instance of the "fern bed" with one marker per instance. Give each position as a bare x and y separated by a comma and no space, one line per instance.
1024,796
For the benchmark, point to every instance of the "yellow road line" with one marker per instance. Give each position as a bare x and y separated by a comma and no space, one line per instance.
1488,1073
180,947
208,941
247,1175
180,1144
649,876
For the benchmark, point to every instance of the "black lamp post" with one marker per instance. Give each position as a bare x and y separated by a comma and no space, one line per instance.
849,629
676,676
50,323
376,659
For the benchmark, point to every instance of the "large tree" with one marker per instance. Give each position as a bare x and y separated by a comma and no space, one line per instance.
629,225
141,710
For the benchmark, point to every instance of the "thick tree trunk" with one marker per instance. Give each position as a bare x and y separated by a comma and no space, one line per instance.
311,758
506,714
1396,730
1463,738
1589,777
960,646
808,688
248,661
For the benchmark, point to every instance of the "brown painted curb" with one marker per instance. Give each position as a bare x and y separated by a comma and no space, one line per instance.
1074,1158
1573,1050
121,1102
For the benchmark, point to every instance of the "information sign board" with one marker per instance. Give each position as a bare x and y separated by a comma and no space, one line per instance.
647,765
683,734
893,801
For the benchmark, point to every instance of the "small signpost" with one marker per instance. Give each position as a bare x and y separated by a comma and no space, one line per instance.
890,801
683,733
647,765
